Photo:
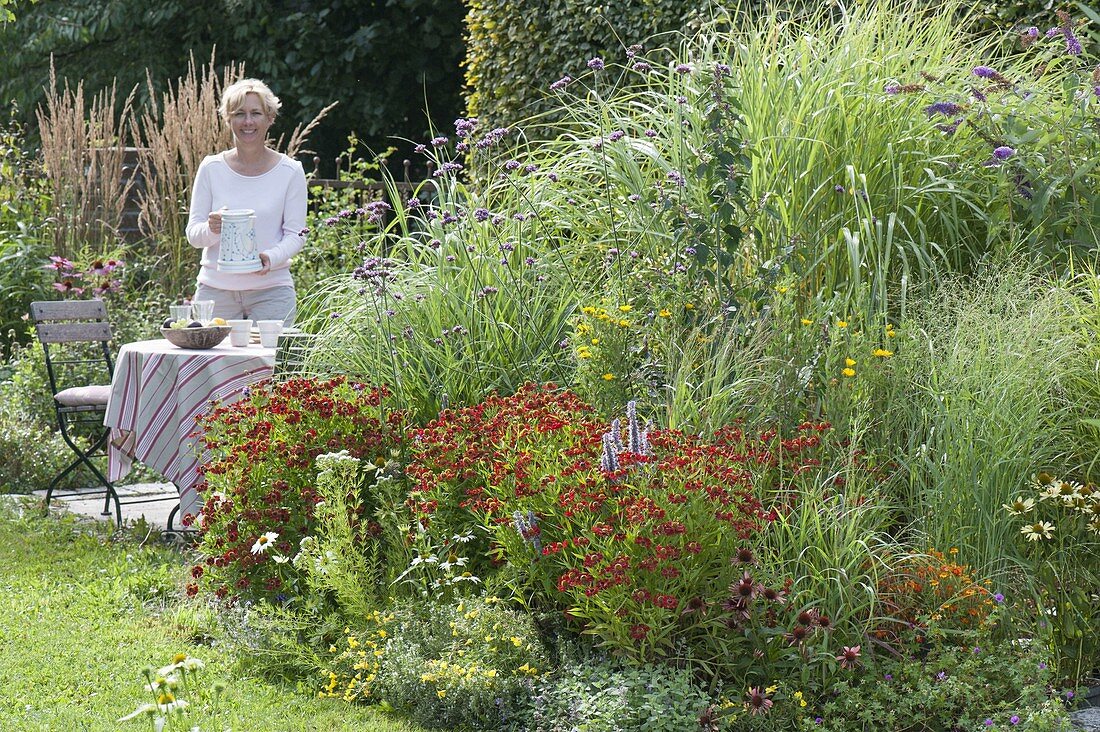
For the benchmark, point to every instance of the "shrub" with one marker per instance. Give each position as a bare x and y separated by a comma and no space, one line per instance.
33,451
465,665
24,235
642,537
932,594
516,49
259,498
608,696
952,688
1021,124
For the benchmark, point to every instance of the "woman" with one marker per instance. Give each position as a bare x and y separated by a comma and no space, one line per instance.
249,176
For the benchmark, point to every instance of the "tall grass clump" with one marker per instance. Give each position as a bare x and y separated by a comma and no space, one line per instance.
864,188
82,153
177,130
987,365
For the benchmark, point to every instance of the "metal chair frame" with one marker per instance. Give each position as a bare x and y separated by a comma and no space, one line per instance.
73,322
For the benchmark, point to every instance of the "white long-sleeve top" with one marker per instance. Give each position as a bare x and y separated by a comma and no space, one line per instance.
279,199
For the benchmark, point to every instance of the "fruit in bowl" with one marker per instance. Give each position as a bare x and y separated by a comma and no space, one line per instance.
197,336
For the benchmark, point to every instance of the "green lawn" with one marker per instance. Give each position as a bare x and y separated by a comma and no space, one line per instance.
82,614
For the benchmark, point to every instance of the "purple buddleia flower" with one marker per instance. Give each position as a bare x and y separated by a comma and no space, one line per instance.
978,94
985,72
950,129
947,109
1004,152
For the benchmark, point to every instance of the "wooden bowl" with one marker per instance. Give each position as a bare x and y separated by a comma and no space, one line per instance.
196,338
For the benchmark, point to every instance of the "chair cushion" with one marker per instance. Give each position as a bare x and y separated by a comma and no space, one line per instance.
83,396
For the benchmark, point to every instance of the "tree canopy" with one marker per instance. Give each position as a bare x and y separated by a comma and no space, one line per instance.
385,61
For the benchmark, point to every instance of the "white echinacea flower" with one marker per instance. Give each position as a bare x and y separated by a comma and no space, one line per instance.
1038,530
264,542
1020,506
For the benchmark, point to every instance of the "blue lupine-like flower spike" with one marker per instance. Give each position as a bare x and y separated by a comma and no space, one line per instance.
609,460
634,432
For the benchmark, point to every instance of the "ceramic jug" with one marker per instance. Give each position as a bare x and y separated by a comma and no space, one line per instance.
238,242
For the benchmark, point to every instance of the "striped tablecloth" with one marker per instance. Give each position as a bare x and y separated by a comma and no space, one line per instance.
157,392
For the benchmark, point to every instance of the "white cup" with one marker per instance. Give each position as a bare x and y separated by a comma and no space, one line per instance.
269,332
241,331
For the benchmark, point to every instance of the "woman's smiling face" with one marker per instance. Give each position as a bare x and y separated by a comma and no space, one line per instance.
250,121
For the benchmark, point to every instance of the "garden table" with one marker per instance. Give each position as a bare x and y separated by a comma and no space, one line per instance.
158,391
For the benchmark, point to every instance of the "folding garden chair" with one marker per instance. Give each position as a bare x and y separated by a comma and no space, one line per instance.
292,356
74,335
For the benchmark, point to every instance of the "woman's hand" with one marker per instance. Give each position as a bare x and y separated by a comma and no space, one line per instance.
266,262
214,221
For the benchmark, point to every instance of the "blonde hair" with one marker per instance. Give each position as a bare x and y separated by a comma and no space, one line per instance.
234,94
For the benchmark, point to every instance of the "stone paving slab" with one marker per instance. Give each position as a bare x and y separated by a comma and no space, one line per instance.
90,503
1087,719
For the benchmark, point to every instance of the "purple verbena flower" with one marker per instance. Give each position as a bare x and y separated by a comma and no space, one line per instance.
641,67
439,141
465,127
683,68
561,83
448,167
596,63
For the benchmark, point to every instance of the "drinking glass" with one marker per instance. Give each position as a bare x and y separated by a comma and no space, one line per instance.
202,310
180,312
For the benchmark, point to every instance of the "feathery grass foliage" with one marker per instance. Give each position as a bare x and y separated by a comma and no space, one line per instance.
982,411
864,188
